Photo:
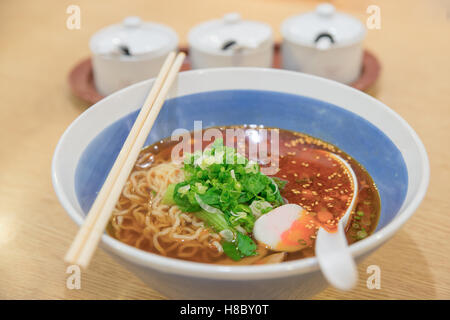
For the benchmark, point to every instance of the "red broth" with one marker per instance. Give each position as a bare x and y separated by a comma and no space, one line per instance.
318,184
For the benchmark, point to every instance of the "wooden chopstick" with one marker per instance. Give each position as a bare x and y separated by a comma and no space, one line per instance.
89,235
73,252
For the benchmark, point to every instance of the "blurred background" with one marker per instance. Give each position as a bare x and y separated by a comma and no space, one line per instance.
37,53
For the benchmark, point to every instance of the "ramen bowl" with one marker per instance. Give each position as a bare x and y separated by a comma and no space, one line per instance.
358,124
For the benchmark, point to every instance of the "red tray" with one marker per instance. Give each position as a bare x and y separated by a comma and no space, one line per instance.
81,78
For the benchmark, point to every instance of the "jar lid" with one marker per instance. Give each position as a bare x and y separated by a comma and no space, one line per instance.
134,39
323,28
219,35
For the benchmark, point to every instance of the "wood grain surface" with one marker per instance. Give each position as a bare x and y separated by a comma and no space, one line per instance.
37,52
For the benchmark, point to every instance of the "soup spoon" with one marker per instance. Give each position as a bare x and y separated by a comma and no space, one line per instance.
288,228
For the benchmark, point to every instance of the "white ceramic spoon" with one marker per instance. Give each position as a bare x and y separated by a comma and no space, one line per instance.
331,248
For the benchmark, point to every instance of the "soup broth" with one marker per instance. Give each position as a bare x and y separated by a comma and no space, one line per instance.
312,180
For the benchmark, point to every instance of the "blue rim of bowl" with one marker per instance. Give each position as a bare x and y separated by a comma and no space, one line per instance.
380,156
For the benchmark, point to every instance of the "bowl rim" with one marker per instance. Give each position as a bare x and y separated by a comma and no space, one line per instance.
253,272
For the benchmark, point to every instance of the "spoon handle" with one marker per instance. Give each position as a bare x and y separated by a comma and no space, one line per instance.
335,259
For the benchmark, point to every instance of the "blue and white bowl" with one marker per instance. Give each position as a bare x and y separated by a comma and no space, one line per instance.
360,125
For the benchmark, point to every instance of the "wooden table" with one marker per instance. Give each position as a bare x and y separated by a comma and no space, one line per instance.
36,54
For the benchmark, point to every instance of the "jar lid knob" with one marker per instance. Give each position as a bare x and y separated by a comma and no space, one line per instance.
325,10
232,17
132,22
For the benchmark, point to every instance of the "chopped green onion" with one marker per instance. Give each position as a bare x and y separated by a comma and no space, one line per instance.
184,189
259,206
361,234
228,192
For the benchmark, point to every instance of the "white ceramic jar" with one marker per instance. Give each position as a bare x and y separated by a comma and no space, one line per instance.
130,52
231,41
324,43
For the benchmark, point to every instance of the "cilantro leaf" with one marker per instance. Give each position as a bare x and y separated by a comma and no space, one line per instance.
254,183
242,247
211,197
280,182
245,244
230,250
